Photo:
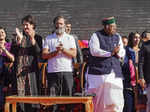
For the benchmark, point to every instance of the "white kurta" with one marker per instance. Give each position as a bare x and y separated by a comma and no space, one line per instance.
108,88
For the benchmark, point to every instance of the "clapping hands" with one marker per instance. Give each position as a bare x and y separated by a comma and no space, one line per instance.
30,33
115,50
60,48
19,35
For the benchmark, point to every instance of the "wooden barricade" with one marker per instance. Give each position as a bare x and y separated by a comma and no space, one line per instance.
45,100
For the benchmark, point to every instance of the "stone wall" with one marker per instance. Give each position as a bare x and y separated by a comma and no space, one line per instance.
85,15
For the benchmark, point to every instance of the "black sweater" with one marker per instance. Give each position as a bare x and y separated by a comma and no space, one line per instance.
144,62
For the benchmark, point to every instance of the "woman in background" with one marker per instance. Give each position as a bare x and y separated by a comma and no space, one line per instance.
5,58
129,71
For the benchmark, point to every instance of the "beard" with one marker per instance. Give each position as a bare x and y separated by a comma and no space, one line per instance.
60,30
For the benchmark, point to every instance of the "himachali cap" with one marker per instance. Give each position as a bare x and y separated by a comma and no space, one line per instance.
109,20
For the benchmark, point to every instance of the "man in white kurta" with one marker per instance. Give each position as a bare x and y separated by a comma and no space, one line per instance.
108,87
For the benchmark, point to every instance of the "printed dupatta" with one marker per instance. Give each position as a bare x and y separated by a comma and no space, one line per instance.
23,67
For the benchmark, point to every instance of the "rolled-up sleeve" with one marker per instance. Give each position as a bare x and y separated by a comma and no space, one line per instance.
95,47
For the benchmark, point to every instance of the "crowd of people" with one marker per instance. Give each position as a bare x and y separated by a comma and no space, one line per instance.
117,67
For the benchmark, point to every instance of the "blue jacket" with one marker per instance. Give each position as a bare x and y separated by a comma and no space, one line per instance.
104,65
130,54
